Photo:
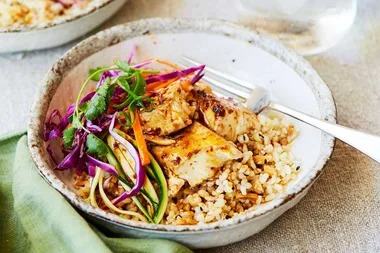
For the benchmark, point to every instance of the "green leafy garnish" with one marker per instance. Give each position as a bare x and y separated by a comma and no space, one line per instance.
98,104
122,65
68,137
97,76
96,146
129,78
76,122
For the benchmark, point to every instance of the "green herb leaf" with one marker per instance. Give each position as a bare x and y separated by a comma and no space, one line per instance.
70,119
97,76
76,116
68,136
76,122
122,65
98,104
96,146
96,108
84,106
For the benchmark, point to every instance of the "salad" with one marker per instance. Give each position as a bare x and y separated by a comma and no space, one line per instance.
160,147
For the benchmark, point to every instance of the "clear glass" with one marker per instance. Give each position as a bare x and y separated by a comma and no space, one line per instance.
307,26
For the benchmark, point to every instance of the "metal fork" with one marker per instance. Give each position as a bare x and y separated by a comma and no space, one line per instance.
257,99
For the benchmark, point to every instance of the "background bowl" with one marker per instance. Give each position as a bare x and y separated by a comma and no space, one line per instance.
58,31
231,48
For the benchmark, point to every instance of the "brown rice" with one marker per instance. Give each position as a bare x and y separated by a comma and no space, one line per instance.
238,187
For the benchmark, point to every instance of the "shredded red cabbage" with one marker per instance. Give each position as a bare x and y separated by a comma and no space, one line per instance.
102,165
139,170
92,127
142,64
91,170
118,91
114,73
72,159
174,74
116,98
196,79
132,53
105,74
105,123
65,120
198,76
53,130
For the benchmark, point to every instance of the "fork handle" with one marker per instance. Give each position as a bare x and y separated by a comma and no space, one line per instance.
368,144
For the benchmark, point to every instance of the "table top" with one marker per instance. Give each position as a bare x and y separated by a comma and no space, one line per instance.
341,212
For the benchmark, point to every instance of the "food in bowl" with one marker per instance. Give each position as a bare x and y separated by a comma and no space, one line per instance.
161,147
27,12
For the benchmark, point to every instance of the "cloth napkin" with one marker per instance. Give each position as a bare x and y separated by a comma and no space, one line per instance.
36,218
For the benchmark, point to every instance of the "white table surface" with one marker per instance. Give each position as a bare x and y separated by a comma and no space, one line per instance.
326,220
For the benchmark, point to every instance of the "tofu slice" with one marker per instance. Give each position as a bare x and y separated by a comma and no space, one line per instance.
172,112
224,116
196,155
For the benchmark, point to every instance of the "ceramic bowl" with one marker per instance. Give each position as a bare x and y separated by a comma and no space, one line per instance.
59,31
225,46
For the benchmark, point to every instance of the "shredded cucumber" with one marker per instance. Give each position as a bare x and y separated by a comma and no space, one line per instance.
109,204
113,161
158,174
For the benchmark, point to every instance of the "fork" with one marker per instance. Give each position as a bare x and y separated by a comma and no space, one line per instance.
256,99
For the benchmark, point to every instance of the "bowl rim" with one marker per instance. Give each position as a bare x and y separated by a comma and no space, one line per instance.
129,30
54,22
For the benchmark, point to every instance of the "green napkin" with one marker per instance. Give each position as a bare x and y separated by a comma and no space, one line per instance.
36,218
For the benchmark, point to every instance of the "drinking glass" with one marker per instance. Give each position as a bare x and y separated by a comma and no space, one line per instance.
307,26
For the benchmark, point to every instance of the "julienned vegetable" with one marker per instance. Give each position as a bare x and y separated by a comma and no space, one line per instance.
112,160
127,164
109,204
94,146
140,140
104,166
156,170
140,173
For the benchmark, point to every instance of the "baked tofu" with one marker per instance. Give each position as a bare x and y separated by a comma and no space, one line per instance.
196,154
224,116
171,113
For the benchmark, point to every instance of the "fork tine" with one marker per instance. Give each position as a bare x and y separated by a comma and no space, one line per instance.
225,87
218,91
221,88
218,73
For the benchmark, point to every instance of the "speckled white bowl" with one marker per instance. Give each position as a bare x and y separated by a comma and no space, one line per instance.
226,46
59,31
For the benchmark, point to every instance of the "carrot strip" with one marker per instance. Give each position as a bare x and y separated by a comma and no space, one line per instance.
161,84
168,64
140,140
165,84
152,86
